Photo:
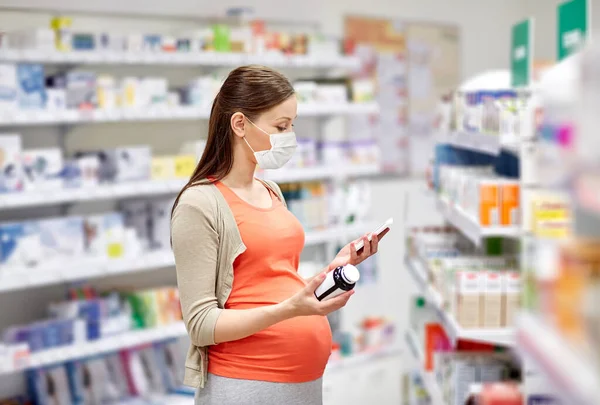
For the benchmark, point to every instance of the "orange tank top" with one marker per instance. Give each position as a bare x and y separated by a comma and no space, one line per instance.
295,350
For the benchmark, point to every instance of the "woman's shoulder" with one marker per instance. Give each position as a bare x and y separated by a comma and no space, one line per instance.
199,196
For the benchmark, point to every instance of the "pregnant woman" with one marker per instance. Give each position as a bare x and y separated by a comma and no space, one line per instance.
258,334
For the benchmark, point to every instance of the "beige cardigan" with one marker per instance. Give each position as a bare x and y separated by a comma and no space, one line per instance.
206,241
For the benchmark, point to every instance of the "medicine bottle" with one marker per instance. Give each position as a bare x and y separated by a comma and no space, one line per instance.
337,282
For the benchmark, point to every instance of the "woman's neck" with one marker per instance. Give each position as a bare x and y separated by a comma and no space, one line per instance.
242,171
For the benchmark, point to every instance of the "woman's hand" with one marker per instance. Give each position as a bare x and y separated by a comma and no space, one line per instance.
348,253
305,302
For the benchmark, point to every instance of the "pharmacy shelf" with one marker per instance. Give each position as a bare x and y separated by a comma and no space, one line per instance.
162,113
102,192
432,387
470,227
147,188
321,173
476,141
84,269
103,346
500,336
575,375
178,59
359,359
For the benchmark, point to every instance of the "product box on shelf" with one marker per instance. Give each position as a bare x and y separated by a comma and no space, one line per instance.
62,240
132,163
160,217
105,235
137,216
107,170
184,166
106,92
81,90
48,386
11,167
467,300
492,301
8,89
32,86
163,167
20,246
42,169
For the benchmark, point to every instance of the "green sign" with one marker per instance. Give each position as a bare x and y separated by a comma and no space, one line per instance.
521,49
573,26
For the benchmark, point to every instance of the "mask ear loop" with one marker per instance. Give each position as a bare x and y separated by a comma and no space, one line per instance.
259,128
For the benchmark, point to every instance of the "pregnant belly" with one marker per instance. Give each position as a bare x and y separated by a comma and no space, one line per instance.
294,351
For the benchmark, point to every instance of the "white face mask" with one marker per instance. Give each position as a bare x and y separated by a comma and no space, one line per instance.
282,149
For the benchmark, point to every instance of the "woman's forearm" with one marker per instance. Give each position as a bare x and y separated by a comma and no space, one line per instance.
234,324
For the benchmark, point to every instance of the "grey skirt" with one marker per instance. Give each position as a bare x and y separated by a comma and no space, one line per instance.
230,391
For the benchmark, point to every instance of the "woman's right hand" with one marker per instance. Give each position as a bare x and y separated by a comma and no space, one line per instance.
305,303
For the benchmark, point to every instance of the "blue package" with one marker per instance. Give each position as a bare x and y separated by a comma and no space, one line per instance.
31,86
61,239
49,386
19,245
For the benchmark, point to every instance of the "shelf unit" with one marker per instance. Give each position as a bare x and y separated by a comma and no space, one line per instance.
102,346
147,188
476,141
470,227
362,358
142,337
574,374
432,387
210,59
97,268
502,336
162,113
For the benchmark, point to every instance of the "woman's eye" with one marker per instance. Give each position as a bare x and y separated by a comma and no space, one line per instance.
281,129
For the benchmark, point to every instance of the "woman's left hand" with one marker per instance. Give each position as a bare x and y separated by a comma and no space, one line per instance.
348,253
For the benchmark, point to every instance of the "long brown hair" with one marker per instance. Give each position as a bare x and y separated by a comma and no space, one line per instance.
251,90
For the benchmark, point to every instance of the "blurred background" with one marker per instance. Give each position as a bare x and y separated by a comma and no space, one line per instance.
471,123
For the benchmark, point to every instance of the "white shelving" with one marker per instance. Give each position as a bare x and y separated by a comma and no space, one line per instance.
102,346
502,336
433,389
470,227
97,268
574,374
102,192
178,58
490,144
141,337
164,113
157,187
321,173
362,358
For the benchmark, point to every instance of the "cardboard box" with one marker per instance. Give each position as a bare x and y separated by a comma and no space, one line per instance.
11,167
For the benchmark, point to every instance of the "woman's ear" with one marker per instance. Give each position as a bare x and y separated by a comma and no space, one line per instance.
238,124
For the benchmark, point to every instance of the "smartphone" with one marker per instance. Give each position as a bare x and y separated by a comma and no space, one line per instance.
380,232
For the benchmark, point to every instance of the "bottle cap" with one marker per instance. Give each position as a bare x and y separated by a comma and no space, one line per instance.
350,274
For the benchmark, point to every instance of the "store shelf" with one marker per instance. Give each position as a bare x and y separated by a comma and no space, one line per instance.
103,346
470,227
502,336
433,389
178,59
362,358
476,141
102,192
162,113
573,374
321,173
147,188
84,269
